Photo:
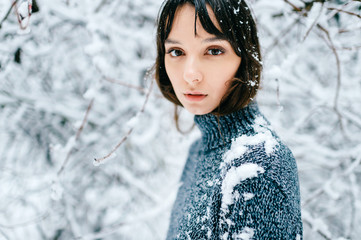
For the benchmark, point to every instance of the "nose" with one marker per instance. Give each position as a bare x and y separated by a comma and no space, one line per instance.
192,71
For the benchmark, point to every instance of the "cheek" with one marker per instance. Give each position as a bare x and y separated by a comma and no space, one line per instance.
171,71
223,74
220,88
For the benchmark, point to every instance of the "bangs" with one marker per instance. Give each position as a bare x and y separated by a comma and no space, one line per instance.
201,13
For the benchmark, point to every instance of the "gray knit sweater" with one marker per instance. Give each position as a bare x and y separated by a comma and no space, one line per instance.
239,182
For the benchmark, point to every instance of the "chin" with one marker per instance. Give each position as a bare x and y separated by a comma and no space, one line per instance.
198,111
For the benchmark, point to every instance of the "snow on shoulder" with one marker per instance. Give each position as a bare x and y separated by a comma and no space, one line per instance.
234,176
243,143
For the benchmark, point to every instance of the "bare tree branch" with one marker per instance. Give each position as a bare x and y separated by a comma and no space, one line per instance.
338,65
100,6
343,11
293,6
140,89
80,129
313,23
8,13
35,220
98,161
353,48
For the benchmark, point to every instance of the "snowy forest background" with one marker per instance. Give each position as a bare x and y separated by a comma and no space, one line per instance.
76,85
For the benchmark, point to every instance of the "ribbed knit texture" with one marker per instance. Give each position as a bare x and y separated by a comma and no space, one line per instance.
239,182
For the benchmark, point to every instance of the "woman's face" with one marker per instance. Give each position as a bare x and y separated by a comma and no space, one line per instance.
198,66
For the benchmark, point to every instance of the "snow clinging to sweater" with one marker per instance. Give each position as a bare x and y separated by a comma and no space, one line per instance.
241,144
248,196
246,234
233,177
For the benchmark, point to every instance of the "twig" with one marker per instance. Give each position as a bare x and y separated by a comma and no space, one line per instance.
4,235
353,118
28,222
345,30
101,4
21,18
278,95
140,89
8,12
313,23
80,130
343,11
353,48
125,137
293,6
338,64
84,119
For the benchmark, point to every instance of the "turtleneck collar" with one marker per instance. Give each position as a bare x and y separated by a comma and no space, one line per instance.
219,130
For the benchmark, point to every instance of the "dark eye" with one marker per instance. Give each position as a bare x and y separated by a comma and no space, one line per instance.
175,52
214,51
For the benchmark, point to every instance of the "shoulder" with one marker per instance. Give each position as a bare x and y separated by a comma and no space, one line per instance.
261,153
259,185
259,140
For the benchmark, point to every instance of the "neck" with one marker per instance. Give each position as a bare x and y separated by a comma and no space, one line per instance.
217,130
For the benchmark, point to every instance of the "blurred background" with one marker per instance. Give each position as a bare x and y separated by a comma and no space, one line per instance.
74,87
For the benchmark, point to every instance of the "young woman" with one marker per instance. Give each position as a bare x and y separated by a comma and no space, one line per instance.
240,181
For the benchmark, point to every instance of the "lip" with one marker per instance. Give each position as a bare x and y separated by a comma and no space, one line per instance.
195,96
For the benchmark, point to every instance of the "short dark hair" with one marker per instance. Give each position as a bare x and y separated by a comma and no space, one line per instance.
238,27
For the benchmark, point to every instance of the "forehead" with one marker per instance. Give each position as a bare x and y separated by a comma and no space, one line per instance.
186,19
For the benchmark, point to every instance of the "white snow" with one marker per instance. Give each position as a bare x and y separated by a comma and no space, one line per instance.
56,191
236,10
241,144
238,148
225,236
133,121
252,83
210,183
209,233
248,196
229,222
23,9
246,234
93,91
234,176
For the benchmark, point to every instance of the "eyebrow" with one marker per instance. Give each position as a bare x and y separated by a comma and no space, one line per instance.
207,40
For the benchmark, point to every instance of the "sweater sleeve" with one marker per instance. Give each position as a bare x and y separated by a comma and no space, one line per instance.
259,209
